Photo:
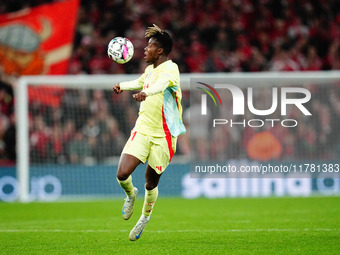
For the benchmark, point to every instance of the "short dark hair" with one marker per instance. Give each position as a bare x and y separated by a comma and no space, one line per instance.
162,37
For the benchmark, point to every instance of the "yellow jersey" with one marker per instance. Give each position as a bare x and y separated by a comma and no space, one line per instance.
160,114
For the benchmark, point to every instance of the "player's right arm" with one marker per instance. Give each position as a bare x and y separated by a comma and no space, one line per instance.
130,85
127,85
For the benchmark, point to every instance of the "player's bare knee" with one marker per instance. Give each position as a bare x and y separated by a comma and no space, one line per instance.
121,175
150,185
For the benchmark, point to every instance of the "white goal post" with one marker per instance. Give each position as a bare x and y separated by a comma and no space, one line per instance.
107,81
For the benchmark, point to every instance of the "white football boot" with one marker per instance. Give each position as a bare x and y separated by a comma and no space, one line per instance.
138,229
128,205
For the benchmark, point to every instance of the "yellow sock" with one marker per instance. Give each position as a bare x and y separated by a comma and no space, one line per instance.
149,201
127,186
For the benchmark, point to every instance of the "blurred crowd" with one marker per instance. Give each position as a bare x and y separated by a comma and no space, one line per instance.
209,36
214,36
90,126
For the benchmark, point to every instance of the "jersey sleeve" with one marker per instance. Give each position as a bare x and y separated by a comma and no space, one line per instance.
159,87
167,79
133,85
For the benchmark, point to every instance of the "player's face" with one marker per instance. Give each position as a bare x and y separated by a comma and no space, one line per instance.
152,51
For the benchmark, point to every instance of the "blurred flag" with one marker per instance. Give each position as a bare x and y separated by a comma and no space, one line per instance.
38,40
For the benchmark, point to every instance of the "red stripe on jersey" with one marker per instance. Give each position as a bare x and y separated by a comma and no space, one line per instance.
133,135
176,100
167,135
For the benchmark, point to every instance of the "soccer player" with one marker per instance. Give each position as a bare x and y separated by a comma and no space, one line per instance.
154,136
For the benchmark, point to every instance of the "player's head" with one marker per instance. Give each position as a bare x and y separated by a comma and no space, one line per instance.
161,37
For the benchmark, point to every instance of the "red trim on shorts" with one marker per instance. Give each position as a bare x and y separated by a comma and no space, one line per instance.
167,135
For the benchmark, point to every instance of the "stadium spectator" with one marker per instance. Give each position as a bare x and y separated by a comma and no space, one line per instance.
10,140
39,139
55,149
68,131
79,149
91,128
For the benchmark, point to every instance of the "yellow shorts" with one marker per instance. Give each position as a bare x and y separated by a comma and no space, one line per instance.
158,151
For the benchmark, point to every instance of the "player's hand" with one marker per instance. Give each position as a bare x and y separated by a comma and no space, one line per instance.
141,96
117,89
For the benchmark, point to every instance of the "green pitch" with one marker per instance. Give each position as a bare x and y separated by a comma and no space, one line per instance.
178,226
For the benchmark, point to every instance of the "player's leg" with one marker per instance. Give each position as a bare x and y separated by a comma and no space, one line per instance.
135,151
151,190
151,194
127,164
161,151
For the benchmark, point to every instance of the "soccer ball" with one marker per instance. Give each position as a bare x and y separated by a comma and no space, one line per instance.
120,50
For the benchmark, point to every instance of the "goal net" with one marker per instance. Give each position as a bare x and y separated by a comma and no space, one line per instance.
71,129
